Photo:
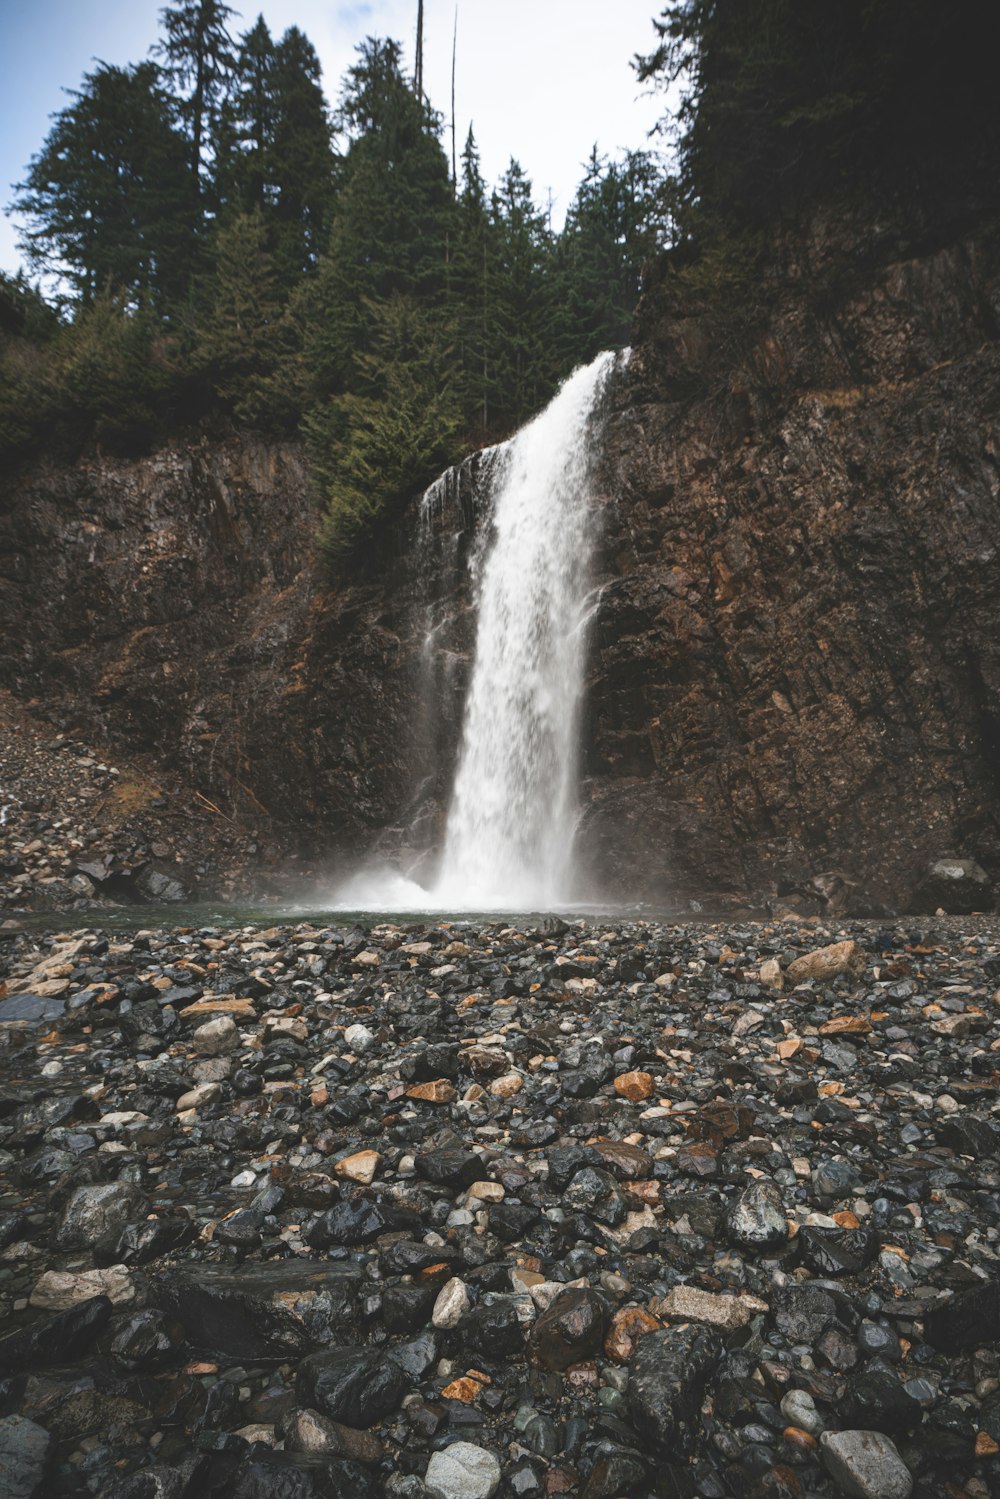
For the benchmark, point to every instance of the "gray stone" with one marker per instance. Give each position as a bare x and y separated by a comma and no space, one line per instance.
865,1465
94,1212
667,1379
216,1036
24,1453
462,1471
757,1221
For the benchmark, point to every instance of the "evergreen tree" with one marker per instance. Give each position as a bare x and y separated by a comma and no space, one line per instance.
391,220
473,273
243,334
522,357
245,133
198,53
374,450
614,225
303,166
106,199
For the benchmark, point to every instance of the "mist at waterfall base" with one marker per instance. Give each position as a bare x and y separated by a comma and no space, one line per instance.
511,826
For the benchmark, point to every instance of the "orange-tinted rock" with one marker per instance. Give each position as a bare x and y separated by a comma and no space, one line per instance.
439,1091
628,1325
826,963
846,1025
465,1390
635,1086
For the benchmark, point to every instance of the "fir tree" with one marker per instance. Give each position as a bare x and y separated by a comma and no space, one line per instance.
106,198
198,54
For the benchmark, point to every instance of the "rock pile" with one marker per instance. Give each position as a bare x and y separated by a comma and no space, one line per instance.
468,1210
79,830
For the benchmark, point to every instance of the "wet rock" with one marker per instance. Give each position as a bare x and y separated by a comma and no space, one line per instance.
55,1340
826,963
865,1465
966,1319
453,1168
757,1219
451,1305
728,1313
216,1037
58,1290
351,1385
462,1471
667,1379
957,886
571,1330
94,1212
25,1450
837,1251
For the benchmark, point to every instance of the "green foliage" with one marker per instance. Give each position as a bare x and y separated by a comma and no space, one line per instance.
198,59
786,101
114,374
243,332
105,199
372,451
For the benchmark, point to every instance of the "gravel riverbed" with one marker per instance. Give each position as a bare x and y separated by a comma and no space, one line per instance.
624,1209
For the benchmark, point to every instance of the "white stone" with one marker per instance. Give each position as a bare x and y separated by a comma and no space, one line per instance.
451,1305
123,1117
57,1290
358,1037
865,1465
199,1098
216,1036
462,1471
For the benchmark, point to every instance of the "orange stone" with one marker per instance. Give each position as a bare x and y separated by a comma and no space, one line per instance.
462,1389
846,1025
789,1047
985,1445
796,1437
846,1219
318,1097
439,1091
628,1325
635,1086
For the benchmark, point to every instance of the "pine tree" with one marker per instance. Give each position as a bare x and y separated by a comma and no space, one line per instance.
523,359
302,163
245,130
243,333
198,54
106,198
473,272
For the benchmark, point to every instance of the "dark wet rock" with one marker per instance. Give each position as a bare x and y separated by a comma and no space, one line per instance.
837,1251
141,1243
966,1319
145,1341
355,1220
25,1450
877,1398
596,1193
277,1475
55,1340
667,1378
570,1331
615,1470
229,1321
803,1313
510,1221
957,886
966,1134
451,1167
494,1330
352,1385
757,1219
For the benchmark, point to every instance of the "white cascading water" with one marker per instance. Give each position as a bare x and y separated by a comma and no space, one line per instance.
511,821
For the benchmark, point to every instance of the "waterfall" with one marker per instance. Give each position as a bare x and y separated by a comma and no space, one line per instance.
511,821
526,508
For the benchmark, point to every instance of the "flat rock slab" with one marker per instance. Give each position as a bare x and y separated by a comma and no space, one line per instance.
33,1009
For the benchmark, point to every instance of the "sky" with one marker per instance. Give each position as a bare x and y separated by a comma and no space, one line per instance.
540,80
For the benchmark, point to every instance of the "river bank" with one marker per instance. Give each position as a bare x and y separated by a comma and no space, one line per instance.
457,1210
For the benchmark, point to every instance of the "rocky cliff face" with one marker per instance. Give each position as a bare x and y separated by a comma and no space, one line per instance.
795,677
